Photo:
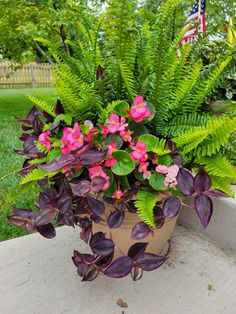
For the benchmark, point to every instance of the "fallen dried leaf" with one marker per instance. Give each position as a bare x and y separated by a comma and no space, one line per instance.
121,303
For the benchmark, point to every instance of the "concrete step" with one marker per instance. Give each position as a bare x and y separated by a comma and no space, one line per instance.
37,277
221,229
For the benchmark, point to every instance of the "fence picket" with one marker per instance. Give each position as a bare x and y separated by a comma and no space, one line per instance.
29,75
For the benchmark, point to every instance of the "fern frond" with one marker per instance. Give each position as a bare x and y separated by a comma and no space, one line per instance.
219,166
222,184
43,105
37,174
145,203
128,78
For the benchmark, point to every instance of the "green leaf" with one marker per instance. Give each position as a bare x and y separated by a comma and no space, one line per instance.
54,154
165,160
64,117
121,108
113,138
138,175
111,190
150,140
145,203
124,165
157,181
137,129
154,144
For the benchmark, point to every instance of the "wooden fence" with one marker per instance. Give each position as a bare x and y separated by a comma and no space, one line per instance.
29,75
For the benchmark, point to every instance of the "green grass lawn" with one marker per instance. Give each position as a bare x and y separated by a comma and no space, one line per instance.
13,102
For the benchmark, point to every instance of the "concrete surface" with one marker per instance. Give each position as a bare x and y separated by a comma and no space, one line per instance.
37,277
222,227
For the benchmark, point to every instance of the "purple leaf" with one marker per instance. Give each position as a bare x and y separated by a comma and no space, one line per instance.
82,188
58,163
92,157
177,159
96,206
95,218
131,207
116,219
27,213
82,269
59,108
185,182
64,203
149,262
121,267
136,273
159,217
103,247
137,250
96,237
204,208
18,220
45,217
171,207
140,231
91,274
48,231
99,74
217,193
202,181
104,261
97,184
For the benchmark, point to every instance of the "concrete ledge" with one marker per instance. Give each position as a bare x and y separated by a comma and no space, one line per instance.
37,277
222,228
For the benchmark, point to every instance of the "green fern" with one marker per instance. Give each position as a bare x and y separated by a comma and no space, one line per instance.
145,203
43,105
37,174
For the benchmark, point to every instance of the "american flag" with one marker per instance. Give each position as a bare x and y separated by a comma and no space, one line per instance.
196,22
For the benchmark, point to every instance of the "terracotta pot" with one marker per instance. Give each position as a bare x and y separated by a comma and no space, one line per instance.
121,235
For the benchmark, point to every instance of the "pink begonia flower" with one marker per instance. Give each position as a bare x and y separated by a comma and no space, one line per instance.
111,148
105,131
118,194
126,136
116,123
90,135
170,178
147,175
45,140
139,111
72,139
143,167
173,170
110,162
162,169
139,151
97,171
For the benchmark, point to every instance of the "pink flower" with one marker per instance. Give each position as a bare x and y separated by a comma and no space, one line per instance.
90,135
147,175
118,194
139,111
143,167
139,151
126,136
105,131
97,171
170,179
111,148
72,139
173,170
115,123
162,169
110,162
45,140
67,171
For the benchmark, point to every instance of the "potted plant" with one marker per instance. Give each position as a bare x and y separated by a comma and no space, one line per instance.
112,156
